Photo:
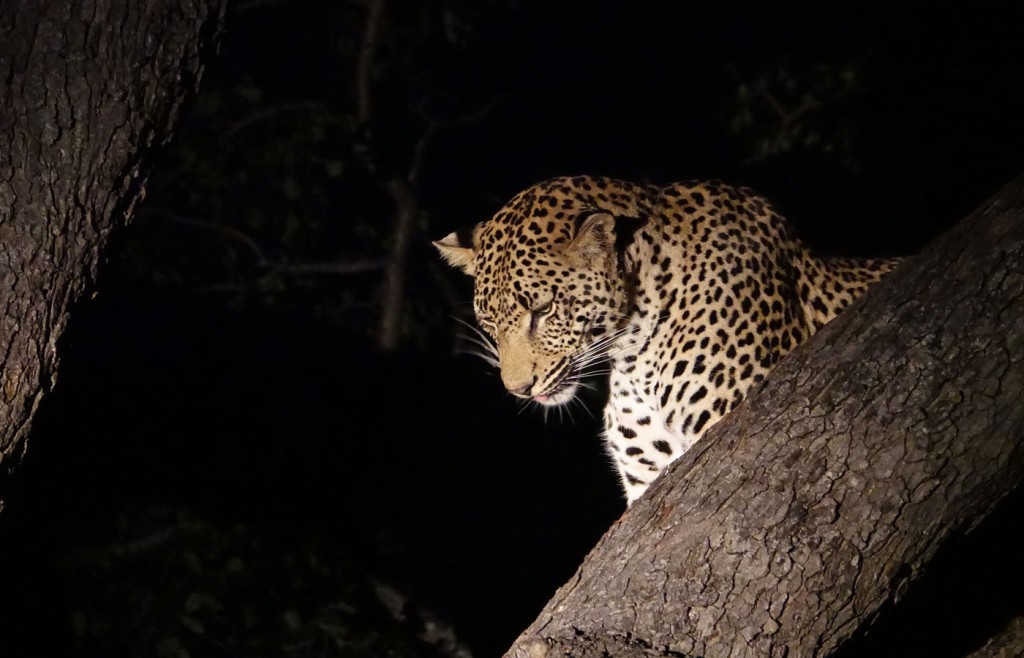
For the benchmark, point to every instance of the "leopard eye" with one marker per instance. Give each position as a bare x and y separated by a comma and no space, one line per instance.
538,314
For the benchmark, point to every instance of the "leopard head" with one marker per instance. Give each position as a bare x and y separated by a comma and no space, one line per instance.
548,286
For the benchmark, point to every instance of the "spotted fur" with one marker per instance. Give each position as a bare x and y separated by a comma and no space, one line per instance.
691,293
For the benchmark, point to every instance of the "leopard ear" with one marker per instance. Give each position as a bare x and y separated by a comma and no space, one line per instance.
594,239
457,249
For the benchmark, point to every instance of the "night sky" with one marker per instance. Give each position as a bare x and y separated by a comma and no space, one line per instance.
271,410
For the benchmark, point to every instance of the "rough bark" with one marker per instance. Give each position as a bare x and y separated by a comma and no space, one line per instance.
1007,643
816,503
87,87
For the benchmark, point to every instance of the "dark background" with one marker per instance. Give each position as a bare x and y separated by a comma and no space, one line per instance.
229,463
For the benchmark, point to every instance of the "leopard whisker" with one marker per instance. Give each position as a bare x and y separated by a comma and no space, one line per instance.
488,358
594,352
578,402
488,351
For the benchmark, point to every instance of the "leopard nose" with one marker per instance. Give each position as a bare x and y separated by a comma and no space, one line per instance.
521,391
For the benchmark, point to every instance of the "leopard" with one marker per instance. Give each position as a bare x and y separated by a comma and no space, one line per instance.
684,295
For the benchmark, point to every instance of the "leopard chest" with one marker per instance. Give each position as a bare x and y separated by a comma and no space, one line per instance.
638,432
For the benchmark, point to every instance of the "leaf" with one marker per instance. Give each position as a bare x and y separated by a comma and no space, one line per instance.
250,93
334,168
292,620
291,187
170,647
193,625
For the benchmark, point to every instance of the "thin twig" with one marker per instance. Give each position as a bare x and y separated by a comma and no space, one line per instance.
356,266
364,66
234,234
268,113
418,152
344,267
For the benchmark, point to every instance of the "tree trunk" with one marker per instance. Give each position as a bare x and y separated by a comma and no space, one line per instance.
87,87
783,532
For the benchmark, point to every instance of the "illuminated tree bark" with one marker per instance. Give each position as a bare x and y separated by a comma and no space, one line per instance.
1008,642
87,88
812,508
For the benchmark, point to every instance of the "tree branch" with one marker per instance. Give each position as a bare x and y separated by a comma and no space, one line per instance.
825,494
364,65
268,113
1007,643
233,234
389,331
260,260
344,267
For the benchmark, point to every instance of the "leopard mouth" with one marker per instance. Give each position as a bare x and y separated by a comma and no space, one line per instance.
558,387
562,393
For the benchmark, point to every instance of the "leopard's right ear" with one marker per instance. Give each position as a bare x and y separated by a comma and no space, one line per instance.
457,249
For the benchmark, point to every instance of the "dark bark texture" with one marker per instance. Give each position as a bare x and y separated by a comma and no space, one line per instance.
86,88
787,529
1007,643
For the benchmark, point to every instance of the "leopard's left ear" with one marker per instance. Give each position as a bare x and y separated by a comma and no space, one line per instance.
594,239
457,249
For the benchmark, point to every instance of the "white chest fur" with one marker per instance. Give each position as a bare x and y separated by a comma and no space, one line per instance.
637,437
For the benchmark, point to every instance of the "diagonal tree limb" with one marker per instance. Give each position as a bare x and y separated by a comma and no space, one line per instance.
1007,643
787,529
